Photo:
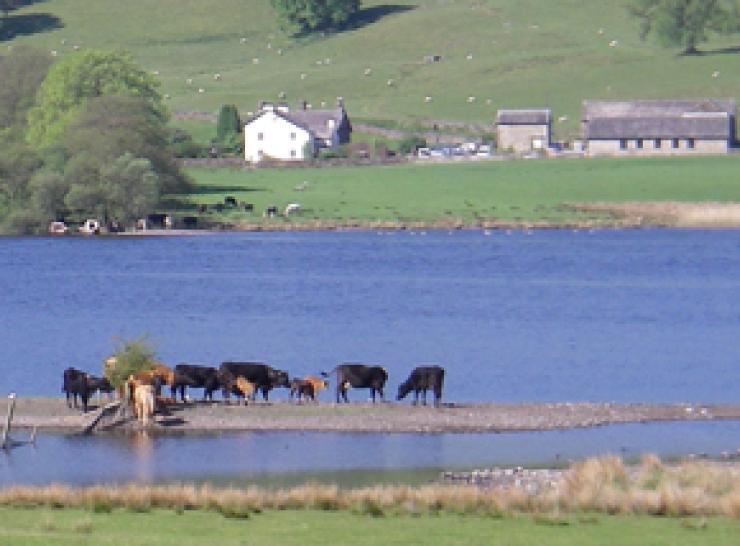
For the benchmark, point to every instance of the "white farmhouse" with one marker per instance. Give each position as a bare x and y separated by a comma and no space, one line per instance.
276,132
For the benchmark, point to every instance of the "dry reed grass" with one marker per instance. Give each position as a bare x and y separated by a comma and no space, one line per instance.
600,485
669,213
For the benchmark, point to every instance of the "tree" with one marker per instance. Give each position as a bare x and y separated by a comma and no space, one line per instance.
310,15
22,71
48,190
228,122
132,188
686,23
75,80
110,126
124,189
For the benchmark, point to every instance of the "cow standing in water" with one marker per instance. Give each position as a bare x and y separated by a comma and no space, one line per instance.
359,376
421,380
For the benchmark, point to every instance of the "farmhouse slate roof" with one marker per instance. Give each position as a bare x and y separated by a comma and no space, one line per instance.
524,117
701,119
315,122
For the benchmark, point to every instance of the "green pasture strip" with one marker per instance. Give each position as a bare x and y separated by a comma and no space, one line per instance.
493,54
30,527
529,190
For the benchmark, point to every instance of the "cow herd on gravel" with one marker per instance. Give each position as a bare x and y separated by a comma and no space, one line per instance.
244,380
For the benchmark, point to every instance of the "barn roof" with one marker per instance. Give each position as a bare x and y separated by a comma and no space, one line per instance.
655,108
701,127
533,116
702,118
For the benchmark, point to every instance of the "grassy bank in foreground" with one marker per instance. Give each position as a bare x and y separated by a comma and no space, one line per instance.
509,191
19,527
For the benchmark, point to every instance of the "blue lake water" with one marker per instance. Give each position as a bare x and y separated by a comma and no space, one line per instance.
648,316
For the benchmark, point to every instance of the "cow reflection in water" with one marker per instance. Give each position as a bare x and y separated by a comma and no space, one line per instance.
421,380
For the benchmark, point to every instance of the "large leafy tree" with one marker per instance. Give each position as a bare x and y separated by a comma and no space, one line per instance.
77,79
110,126
301,16
125,189
686,23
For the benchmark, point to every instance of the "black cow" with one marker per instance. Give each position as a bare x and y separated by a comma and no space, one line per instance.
359,376
264,377
199,377
78,383
421,380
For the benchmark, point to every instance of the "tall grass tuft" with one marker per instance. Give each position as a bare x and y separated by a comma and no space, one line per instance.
600,485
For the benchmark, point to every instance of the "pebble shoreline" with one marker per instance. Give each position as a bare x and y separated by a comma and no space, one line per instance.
52,415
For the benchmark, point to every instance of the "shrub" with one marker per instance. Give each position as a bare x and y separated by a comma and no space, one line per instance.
410,144
132,356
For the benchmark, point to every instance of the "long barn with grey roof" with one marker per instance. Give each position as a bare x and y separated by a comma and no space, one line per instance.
653,127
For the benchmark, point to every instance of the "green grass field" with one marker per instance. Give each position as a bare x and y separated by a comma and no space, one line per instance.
28,527
505,53
518,191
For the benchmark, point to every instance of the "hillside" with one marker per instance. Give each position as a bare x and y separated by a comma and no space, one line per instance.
504,53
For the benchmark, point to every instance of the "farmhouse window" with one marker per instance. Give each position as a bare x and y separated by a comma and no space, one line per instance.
675,143
292,136
260,136
623,144
292,153
658,143
638,144
690,143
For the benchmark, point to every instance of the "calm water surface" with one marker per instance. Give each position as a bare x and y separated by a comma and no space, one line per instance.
245,456
649,316
606,316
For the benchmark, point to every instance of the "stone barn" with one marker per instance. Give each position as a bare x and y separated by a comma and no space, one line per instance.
658,127
523,130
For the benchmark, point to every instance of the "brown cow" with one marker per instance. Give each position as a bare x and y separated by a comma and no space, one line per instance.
244,388
307,388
